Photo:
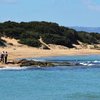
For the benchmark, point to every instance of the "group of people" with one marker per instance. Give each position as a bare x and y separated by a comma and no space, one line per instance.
4,56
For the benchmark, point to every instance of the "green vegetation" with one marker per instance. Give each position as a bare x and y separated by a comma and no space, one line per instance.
29,32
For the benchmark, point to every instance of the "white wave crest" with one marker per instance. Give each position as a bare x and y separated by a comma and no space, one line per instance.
96,61
13,68
86,64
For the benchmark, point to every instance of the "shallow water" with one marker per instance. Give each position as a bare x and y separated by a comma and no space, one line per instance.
59,83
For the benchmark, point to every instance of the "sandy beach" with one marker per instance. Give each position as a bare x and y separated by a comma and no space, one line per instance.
27,52
23,51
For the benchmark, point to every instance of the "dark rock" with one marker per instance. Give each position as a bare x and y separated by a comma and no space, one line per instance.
25,62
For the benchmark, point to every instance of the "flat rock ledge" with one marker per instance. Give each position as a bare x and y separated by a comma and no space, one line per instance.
25,62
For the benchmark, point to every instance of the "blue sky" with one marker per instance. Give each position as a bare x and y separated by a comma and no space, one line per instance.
63,12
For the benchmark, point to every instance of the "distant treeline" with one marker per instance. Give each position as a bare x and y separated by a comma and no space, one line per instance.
29,32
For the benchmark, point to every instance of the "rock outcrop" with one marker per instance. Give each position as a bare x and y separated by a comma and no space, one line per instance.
25,62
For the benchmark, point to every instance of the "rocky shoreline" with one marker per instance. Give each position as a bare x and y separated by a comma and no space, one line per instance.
26,63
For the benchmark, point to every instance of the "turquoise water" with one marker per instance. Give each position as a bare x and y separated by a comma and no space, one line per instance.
59,83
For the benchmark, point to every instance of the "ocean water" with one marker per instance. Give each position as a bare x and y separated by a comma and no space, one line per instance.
58,83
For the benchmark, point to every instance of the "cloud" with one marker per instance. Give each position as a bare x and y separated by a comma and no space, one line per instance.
91,5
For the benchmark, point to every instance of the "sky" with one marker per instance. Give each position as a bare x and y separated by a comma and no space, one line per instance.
64,12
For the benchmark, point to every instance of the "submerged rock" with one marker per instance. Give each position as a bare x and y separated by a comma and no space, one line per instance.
25,62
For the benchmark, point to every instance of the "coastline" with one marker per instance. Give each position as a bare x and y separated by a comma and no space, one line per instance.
30,52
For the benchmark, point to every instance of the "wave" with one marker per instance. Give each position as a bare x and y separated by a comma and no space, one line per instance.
96,61
34,59
14,68
86,64
90,63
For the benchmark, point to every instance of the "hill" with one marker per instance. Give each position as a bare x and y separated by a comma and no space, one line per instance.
29,33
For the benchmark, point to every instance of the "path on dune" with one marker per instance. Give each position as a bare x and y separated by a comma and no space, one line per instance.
43,43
